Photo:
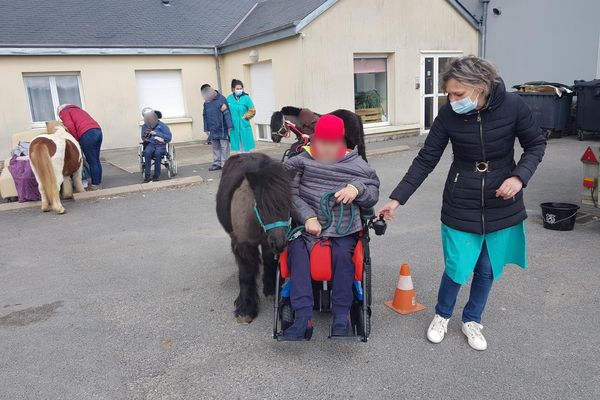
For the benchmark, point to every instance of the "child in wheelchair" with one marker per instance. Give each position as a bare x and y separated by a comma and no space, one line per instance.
324,167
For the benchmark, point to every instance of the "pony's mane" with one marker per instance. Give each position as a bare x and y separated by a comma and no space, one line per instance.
291,110
271,188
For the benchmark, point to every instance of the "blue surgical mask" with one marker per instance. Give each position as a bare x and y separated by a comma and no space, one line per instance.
466,105
239,92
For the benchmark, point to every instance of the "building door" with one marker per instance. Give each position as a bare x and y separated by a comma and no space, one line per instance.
432,96
263,95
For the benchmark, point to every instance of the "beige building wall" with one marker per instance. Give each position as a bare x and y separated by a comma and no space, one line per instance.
316,68
287,70
399,28
109,92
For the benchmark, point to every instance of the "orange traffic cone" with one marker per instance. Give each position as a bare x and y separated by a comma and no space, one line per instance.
405,298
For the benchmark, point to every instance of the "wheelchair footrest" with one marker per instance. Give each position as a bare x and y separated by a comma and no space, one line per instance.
350,338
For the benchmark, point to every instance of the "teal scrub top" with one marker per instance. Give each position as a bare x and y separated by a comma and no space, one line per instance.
462,250
241,136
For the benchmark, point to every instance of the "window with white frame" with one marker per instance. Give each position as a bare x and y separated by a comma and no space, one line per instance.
370,88
161,90
45,92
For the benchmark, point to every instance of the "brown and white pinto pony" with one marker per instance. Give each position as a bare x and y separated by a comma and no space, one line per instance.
56,160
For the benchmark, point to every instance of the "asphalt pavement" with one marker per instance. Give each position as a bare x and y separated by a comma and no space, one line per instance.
131,297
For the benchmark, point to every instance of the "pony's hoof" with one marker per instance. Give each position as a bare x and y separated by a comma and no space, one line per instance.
45,207
61,210
244,319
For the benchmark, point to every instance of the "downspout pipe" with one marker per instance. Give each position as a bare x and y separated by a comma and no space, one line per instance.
483,27
218,68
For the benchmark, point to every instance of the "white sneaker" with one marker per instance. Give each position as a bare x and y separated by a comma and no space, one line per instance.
472,331
437,329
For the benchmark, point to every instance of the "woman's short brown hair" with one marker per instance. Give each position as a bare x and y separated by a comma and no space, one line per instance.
472,71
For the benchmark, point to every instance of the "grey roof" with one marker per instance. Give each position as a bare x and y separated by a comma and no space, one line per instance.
144,24
470,10
272,15
118,23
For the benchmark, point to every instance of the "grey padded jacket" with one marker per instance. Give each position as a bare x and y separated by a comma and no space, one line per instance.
313,179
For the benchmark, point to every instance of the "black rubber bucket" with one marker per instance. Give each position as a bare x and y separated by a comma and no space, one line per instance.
559,216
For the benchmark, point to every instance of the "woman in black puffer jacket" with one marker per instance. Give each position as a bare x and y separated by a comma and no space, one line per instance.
483,209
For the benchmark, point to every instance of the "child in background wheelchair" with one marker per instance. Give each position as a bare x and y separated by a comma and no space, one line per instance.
332,183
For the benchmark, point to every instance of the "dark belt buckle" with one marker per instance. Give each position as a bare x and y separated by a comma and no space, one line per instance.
482,166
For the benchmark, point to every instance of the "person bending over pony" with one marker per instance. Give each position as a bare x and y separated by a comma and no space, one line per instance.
327,166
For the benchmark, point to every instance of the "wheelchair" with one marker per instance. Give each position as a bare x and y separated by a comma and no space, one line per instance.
168,160
322,275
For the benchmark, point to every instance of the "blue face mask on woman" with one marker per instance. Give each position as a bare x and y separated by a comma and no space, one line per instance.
466,105
239,92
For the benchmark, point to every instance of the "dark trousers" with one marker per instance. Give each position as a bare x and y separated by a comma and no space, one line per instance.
156,151
90,143
342,249
483,278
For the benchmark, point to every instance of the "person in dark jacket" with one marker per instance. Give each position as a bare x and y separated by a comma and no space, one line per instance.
155,136
217,124
327,167
89,135
483,209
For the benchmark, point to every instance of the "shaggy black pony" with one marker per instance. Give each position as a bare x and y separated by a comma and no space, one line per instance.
304,122
254,184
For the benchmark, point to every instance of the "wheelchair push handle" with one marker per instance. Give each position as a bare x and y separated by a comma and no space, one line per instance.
378,224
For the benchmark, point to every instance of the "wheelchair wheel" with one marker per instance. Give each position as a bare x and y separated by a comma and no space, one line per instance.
286,314
141,159
367,272
367,267
172,161
357,319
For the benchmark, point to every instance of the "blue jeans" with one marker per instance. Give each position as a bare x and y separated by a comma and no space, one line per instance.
156,151
90,143
483,278
301,296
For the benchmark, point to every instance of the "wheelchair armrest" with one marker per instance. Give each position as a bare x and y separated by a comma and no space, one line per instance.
367,213
372,221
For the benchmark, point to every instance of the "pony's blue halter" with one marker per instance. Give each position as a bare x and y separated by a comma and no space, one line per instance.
277,224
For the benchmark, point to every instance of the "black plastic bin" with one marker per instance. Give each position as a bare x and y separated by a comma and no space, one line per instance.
559,216
588,107
551,112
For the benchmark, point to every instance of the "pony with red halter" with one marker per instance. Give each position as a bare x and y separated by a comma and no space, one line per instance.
287,128
301,122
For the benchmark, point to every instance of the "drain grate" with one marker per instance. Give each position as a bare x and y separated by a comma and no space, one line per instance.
586,218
